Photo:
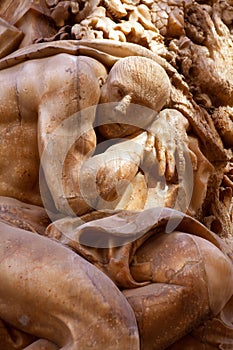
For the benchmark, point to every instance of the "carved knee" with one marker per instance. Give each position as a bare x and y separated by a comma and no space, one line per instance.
219,274
190,261
191,280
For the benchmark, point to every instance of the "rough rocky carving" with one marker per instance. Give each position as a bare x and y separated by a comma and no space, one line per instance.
117,110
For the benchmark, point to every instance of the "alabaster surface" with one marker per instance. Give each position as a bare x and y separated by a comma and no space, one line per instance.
116,175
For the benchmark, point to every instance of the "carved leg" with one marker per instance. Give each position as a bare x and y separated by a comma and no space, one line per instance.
191,280
214,334
25,216
49,291
161,313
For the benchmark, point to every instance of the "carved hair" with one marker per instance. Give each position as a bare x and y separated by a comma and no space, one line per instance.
146,80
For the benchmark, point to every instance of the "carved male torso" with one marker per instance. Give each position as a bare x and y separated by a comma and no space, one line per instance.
51,88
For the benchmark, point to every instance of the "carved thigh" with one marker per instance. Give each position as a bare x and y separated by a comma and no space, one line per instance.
191,280
50,292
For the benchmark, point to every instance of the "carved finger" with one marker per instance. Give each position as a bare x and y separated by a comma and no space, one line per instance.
161,156
180,161
170,169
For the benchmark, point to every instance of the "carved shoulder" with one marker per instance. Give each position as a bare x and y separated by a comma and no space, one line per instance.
70,77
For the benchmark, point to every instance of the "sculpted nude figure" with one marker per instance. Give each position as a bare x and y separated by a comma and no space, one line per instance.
62,88
70,302
35,97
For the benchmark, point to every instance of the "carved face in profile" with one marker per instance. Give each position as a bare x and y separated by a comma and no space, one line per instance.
135,90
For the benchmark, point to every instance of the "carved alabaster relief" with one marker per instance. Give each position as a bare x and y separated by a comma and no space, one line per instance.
113,20
224,205
99,182
200,55
104,50
74,11
88,31
199,286
159,273
216,44
94,179
179,91
223,120
168,17
205,56
58,296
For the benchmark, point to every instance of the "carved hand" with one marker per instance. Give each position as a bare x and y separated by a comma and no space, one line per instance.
171,142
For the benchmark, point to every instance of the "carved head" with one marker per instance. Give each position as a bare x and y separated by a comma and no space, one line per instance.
134,80
139,80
